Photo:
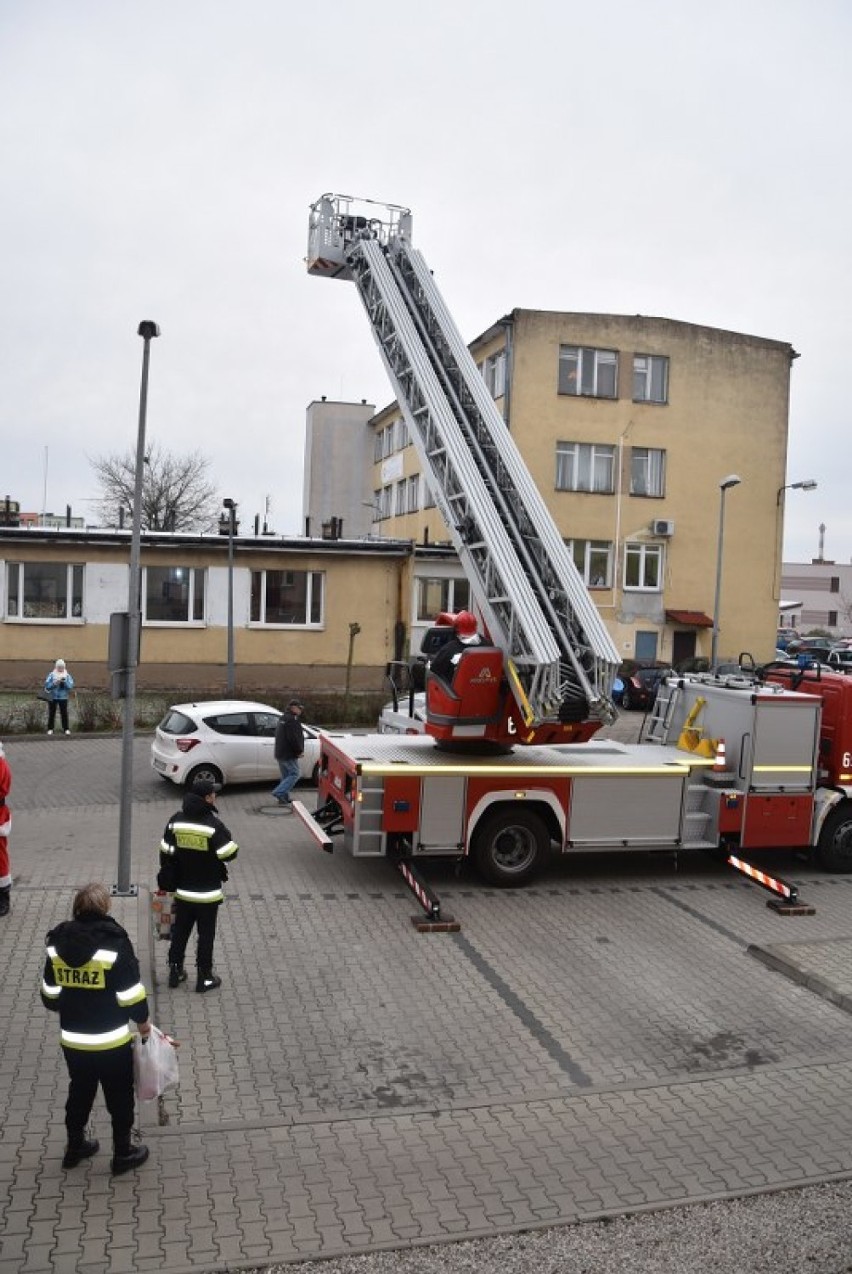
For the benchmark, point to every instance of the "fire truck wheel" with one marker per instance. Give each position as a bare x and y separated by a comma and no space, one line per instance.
508,846
834,852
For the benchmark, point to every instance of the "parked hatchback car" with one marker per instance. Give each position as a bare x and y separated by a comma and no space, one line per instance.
636,684
225,741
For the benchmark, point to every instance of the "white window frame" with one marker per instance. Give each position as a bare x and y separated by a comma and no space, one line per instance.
650,378
315,580
454,595
413,494
385,502
647,471
387,441
649,559
194,573
494,373
584,371
585,467
378,445
18,570
588,557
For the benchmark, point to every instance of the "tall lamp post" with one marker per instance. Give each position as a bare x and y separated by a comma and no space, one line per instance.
231,506
147,330
725,485
807,484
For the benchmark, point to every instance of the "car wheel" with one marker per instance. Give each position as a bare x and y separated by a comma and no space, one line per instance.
315,775
508,845
208,772
834,851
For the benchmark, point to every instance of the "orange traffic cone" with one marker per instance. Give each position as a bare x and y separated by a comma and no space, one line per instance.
720,763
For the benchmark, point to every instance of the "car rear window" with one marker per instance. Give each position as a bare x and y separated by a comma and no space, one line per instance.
175,722
237,723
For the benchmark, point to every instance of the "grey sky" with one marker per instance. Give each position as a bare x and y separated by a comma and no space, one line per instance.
672,158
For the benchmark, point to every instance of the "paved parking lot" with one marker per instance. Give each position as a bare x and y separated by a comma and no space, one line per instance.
627,1033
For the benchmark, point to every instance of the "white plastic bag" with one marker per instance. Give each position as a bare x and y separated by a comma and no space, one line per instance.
155,1064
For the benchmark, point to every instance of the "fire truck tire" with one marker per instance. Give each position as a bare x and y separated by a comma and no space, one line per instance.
508,846
834,851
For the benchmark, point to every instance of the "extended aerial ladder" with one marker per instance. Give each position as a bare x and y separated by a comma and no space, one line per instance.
560,659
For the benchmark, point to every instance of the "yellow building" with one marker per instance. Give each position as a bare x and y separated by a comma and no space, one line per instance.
629,425
295,602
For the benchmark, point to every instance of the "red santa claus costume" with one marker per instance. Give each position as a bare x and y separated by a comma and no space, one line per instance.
5,828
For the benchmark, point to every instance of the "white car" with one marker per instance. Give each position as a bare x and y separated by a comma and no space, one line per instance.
395,717
226,741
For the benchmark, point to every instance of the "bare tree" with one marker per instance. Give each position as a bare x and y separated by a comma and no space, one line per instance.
176,492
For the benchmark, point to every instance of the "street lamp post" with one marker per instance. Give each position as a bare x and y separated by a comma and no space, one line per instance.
725,485
231,506
807,484
147,330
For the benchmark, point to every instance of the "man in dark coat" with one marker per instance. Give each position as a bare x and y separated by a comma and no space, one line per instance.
91,979
289,746
195,847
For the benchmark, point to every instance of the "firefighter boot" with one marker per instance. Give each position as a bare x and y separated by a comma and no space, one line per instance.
5,905
78,1149
177,974
126,1157
207,982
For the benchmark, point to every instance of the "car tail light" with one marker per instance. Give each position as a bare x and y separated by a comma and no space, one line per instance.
186,745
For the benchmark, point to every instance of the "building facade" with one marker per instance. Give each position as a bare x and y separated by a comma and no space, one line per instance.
628,425
823,593
295,602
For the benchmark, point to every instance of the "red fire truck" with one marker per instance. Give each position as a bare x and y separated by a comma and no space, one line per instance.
509,765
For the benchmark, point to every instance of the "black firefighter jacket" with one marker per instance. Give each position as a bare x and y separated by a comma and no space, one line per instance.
195,847
91,979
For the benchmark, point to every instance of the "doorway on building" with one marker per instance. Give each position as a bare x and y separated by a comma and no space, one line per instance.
683,646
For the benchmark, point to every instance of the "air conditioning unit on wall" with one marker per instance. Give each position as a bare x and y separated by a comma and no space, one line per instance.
662,526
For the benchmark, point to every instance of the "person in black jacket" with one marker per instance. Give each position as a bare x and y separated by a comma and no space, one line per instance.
91,979
289,746
195,847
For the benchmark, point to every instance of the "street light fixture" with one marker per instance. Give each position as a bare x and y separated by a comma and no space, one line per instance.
231,506
808,484
732,480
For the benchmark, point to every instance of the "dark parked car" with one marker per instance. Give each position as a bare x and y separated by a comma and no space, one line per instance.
636,684
816,649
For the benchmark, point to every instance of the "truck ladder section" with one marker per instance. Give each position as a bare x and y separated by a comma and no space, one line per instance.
534,602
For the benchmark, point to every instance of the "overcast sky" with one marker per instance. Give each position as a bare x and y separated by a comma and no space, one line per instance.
670,158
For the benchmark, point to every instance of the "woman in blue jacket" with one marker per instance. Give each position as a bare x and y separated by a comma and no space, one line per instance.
58,685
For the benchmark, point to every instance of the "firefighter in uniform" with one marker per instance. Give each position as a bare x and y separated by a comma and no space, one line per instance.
91,979
195,847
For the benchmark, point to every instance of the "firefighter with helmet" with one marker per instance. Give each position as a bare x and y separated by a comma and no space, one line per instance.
465,635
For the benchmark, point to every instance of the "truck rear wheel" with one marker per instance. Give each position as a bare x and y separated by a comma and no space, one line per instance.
834,851
508,845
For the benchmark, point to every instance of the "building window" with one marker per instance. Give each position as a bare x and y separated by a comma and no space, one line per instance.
832,619
593,559
413,493
401,496
428,497
643,566
834,584
402,439
44,591
435,595
647,471
650,378
592,373
293,598
378,443
494,374
387,442
584,466
172,595
385,502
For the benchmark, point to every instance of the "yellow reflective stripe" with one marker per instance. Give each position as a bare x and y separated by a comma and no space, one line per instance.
166,848
104,956
189,895
227,851
52,952
86,1039
781,769
197,829
132,995
52,992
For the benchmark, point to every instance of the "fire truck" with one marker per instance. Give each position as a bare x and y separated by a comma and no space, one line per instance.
508,766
